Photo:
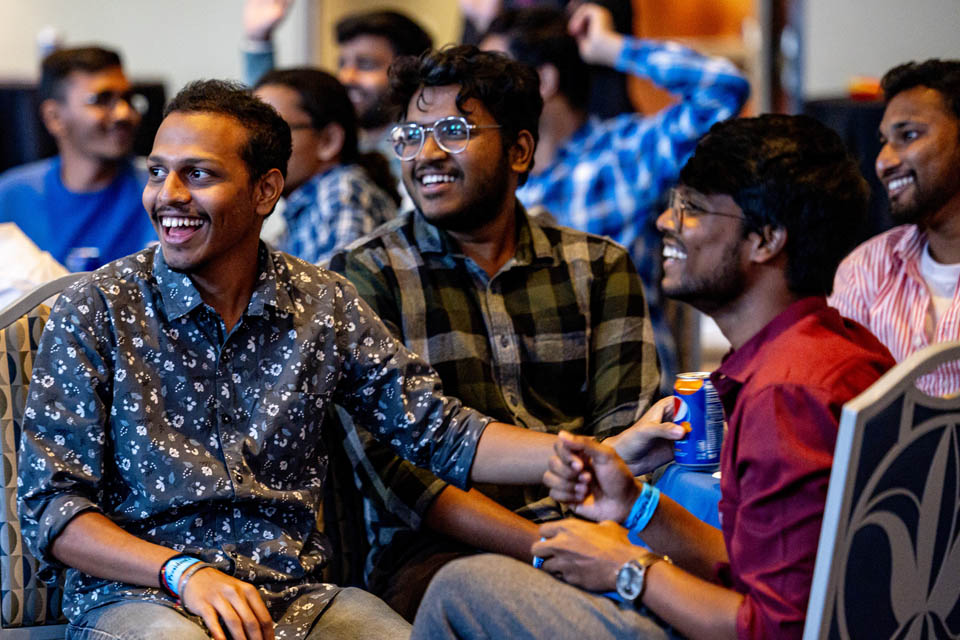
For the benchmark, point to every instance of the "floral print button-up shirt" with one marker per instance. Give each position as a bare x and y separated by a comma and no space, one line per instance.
142,406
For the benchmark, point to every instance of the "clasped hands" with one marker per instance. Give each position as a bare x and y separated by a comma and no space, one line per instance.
597,480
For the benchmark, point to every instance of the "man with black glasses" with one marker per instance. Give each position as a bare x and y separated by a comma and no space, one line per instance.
539,325
87,196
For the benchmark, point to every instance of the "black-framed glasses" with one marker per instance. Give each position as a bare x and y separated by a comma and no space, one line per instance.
109,99
451,134
681,207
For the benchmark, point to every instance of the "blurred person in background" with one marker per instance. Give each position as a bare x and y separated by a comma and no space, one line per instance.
334,194
88,197
608,89
368,43
610,177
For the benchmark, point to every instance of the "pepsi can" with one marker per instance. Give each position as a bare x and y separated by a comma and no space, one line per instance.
696,405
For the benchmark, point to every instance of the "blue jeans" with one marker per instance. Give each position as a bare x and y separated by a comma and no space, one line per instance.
354,614
490,596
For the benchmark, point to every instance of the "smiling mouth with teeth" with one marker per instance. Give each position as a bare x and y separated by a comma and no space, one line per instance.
171,222
898,184
674,253
434,178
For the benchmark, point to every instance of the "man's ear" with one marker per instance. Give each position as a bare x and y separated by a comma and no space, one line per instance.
50,114
521,152
549,80
768,243
267,191
331,142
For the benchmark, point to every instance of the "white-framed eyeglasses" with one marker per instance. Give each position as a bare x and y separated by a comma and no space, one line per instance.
451,134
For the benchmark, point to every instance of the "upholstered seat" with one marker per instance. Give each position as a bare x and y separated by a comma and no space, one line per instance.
29,608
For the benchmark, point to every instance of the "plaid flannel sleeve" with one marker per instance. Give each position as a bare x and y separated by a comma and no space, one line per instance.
394,485
624,370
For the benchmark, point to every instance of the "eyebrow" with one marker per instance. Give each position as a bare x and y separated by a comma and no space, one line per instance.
183,161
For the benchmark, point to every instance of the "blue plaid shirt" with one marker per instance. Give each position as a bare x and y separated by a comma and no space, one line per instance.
331,210
611,176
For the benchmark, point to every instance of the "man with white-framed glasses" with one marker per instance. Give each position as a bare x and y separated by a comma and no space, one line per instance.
523,319
87,199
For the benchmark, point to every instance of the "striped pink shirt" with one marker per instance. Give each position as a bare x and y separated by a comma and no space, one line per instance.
880,286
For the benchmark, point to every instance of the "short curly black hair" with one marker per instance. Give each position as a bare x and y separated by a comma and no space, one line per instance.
509,90
940,75
269,142
789,172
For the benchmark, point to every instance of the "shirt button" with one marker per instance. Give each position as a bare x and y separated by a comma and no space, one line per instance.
917,341
226,419
239,478
504,341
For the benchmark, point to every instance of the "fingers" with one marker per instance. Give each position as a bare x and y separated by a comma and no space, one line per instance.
660,411
210,618
260,611
218,598
579,22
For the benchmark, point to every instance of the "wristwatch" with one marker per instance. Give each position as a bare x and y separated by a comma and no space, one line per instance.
631,578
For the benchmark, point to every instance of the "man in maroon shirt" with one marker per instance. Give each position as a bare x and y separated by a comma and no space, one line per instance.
753,236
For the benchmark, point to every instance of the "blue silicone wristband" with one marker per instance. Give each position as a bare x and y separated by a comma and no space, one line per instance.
537,560
174,569
643,508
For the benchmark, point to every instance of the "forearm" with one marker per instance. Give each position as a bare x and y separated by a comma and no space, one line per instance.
696,608
684,72
97,546
507,454
475,519
691,543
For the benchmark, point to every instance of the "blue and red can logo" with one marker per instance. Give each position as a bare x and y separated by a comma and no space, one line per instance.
697,406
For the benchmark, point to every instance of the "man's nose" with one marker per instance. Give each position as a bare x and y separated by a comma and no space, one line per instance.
347,74
431,148
667,221
173,191
887,160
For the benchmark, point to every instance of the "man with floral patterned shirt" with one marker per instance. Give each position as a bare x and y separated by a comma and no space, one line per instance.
172,434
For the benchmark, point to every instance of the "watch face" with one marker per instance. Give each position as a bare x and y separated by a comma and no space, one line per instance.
630,580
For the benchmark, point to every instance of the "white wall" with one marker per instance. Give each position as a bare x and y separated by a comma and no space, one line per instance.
172,40
866,37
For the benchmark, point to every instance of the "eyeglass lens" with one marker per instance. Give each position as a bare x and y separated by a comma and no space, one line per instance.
109,99
451,135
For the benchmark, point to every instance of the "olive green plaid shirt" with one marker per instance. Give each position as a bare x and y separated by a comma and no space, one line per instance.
558,339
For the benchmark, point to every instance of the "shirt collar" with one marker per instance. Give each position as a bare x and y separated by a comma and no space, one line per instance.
910,246
180,296
738,365
532,242
302,198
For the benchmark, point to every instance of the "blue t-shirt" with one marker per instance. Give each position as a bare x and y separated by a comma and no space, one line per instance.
57,220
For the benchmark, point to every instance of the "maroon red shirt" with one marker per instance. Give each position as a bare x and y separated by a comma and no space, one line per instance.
782,393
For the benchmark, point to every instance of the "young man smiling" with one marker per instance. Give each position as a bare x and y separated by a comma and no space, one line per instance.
902,285
534,324
89,194
752,237
172,452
